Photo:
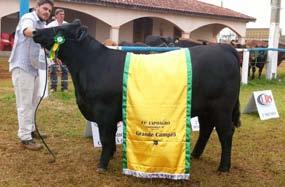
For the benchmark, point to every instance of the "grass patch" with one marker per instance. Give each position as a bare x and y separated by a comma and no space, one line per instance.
63,96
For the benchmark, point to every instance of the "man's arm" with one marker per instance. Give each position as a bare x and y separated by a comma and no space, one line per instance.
27,27
28,32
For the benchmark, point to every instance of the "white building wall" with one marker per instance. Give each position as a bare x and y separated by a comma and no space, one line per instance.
9,24
126,32
84,18
208,33
163,27
117,17
102,32
202,34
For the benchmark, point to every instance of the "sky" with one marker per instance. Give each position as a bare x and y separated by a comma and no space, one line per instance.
259,9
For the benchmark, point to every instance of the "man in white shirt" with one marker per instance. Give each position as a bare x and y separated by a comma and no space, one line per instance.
24,67
59,20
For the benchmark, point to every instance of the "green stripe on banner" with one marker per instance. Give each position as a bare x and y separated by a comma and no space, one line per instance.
124,103
188,113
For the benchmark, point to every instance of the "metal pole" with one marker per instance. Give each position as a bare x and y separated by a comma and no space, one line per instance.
24,7
0,25
273,40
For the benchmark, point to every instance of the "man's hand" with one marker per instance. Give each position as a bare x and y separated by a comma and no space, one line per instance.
58,61
28,32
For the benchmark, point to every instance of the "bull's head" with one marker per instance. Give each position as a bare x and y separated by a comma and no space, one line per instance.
73,32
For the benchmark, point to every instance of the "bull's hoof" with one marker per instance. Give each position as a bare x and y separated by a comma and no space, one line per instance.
195,156
224,169
101,170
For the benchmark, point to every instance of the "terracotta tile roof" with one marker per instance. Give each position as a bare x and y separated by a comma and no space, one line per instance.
189,7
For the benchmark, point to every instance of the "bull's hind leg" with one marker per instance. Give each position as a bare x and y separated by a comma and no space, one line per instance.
225,130
206,129
260,70
113,148
253,72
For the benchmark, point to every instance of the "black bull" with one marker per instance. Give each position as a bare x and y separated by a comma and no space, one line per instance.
97,74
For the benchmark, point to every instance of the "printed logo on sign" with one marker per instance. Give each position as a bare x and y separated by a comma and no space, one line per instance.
264,99
195,123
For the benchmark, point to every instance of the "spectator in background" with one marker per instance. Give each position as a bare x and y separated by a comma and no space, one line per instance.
59,20
24,65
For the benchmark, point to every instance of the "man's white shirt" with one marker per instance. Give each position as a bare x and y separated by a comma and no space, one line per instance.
55,23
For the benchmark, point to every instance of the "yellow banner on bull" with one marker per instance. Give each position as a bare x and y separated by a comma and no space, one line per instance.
156,115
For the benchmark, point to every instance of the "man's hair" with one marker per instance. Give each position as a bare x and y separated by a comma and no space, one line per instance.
41,2
58,10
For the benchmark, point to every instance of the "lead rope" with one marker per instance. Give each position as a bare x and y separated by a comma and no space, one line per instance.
35,116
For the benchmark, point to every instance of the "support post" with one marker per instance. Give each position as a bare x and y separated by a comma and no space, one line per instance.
114,34
24,7
244,69
273,40
185,35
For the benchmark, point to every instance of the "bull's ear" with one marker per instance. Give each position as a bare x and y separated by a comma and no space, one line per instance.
77,21
81,33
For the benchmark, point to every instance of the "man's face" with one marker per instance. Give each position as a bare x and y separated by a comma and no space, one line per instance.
44,11
60,17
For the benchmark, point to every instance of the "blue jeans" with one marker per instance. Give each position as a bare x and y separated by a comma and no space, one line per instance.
64,76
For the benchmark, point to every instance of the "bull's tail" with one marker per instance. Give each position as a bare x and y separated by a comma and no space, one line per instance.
236,114
236,111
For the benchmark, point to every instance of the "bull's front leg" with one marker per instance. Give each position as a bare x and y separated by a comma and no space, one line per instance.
253,72
107,133
260,70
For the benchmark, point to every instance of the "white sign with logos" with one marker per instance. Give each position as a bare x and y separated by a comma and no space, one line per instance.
96,137
263,102
195,123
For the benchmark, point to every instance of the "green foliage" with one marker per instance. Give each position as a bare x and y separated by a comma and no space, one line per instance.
8,98
63,96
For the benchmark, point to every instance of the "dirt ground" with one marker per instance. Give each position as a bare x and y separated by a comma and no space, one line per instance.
76,157
257,156
4,73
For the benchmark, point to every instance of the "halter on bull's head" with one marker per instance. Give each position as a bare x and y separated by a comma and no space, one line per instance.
68,32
